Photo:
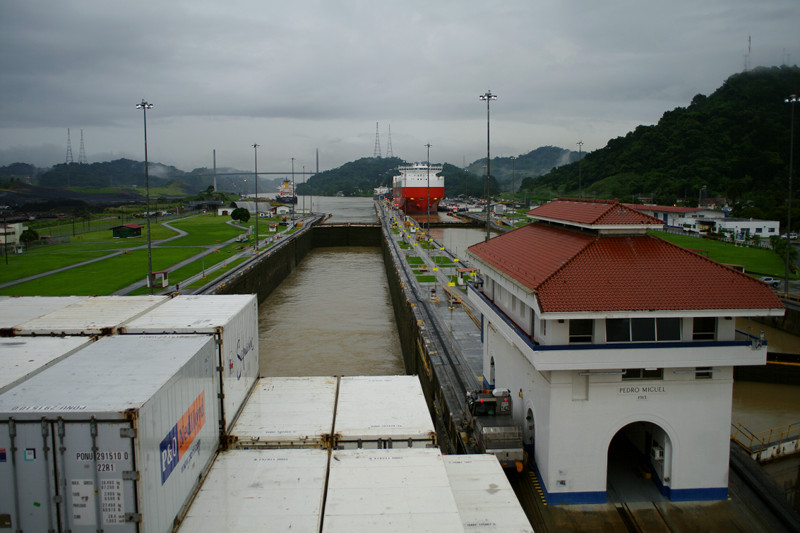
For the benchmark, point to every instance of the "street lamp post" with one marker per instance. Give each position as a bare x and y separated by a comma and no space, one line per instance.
791,100
580,185
144,106
429,187
488,96
294,193
255,165
513,177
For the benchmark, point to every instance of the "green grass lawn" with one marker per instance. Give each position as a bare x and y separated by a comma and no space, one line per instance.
103,277
426,279
207,229
756,261
414,260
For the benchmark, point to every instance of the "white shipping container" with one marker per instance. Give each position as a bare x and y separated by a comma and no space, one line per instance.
389,490
287,412
17,310
23,357
115,437
233,320
94,315
382,412
260,490
486,501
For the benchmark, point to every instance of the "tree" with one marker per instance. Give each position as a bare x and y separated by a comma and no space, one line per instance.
240,213
27,236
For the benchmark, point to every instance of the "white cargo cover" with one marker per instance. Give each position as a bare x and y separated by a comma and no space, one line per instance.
16,310
260,490
95,315
233,319
382,412
23,357
287,412
114,437
486,501
389,490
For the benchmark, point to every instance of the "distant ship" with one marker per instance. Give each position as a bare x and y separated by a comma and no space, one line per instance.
286,193
418,188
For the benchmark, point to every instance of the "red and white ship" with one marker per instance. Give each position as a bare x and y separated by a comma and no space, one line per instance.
418,188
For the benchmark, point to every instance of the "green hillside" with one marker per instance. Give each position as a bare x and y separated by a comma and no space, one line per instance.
733,144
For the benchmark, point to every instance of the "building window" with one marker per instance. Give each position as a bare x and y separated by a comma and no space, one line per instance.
643,373
643,329
618,330
580,330
703,372
704,328
543,327
668,329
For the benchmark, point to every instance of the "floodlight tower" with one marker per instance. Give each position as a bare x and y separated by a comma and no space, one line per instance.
488,97
429,187
144,106
255,162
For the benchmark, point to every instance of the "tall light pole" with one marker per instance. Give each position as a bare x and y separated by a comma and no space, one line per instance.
513,172
255,164
144,106
429,186
304,194
294,194
488,96
580,185
791,100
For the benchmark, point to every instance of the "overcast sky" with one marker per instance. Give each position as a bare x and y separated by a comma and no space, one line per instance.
304,75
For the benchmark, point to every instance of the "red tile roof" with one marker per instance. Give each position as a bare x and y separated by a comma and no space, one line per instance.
592,212
573,271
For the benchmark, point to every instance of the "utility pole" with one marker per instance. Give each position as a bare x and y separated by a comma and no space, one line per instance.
793,99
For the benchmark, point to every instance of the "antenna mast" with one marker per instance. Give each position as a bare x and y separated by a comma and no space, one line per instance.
82,153
377,151
389,148
69,149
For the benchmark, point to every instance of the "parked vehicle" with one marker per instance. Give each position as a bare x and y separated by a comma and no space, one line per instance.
772,282
493,428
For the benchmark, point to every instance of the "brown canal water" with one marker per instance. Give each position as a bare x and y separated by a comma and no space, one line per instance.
332,316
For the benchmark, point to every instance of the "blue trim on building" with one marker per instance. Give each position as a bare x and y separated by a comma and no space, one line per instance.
693,495
568,498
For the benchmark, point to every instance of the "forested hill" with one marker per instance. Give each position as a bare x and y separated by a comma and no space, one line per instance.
361,177
733,144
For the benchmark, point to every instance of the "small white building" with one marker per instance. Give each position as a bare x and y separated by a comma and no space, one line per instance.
688,218
619,348
10,233
747,228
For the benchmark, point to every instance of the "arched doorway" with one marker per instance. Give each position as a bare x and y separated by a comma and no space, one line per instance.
639,464
529,436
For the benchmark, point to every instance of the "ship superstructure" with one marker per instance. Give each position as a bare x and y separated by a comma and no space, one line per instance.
418,187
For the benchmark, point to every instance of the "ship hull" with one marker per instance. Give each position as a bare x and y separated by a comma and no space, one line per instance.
418,199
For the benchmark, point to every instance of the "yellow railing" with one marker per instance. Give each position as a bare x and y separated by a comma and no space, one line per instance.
758,442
